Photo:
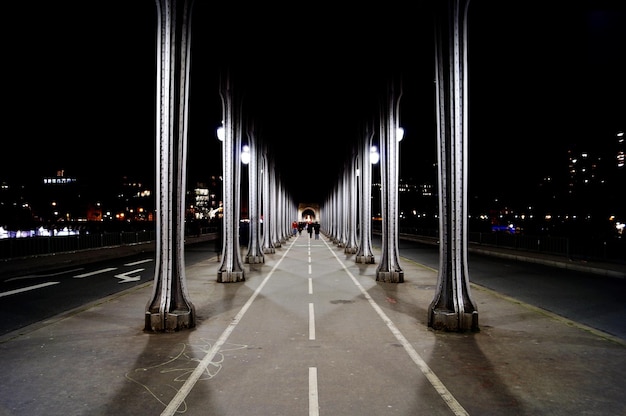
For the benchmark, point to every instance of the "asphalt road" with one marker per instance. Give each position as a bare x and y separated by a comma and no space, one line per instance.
310,332
595,301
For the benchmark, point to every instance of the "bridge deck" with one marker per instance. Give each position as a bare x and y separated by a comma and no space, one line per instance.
311,333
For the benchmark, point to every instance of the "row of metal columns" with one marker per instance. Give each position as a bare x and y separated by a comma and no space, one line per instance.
169,308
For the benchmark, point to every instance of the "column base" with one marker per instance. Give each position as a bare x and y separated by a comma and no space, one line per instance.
390,277
252,259
229,277
365,259
448,321
172,322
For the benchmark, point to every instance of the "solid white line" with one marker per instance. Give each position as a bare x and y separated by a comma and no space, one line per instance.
311,322
138,262
26,289
444,393
314,408
208,358
310,286
80,276
34,276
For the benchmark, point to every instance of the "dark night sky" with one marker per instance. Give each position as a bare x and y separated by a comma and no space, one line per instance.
80,79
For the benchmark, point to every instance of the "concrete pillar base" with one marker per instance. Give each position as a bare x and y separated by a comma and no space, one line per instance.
269,250
365,259
173,322
255,259
229,277
350,250
390,277
445,320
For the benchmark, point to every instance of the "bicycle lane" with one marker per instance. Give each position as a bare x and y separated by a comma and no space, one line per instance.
312,342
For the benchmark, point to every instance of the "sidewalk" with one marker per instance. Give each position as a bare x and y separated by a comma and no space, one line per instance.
99,361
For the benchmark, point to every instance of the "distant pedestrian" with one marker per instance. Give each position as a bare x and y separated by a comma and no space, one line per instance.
294,227
309,229
316,227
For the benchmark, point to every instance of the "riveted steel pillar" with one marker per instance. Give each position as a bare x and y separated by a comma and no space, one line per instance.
231,268
266,195
332,214
452,308
389,269
274,204
169,308
280,219
340,211
364,253
351,220
285,222
255,254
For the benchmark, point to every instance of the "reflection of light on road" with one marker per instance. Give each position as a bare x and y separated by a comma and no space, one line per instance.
26,289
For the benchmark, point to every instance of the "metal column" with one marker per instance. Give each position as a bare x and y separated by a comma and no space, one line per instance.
452,308
169,308
365,253
389,269
352,192
268,214
231,268
255,254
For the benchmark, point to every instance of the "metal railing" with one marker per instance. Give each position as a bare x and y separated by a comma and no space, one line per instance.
37,246
584,248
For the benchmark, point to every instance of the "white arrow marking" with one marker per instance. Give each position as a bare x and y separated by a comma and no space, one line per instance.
125,278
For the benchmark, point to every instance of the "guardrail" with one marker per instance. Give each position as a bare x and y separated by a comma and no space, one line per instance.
37,246
584,248
11,248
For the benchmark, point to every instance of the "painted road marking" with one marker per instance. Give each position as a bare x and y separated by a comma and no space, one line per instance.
138,262
314,408
310,286
444,393
80,276
311,322
200,370
26,289
125,278
34,276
